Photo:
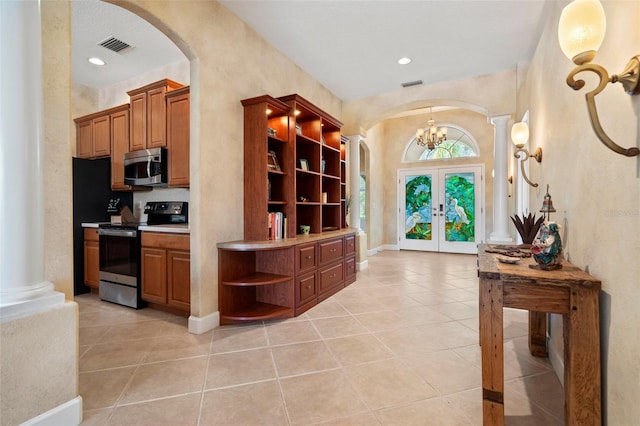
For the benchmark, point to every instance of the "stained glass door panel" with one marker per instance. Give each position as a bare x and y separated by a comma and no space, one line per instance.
417,230
460,211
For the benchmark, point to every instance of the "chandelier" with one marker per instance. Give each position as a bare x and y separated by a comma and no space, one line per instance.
433,137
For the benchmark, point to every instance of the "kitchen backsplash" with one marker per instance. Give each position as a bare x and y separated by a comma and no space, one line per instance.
158,194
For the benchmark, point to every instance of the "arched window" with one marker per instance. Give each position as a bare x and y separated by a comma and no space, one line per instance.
459,143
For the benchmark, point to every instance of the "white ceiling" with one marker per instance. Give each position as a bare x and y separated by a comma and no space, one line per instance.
93,21
350,46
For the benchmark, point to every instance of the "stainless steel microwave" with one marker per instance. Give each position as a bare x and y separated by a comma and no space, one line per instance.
146,167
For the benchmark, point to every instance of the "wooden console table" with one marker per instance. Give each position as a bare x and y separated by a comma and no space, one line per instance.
568,291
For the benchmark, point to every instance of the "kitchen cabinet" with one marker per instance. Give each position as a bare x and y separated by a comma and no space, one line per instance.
93,135
148,121
91,258
119,146
165,268
178,137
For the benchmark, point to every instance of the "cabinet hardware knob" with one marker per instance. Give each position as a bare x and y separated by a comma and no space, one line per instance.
333,275
308,287
308,257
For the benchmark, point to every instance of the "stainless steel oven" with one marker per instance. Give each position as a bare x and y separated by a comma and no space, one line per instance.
120,264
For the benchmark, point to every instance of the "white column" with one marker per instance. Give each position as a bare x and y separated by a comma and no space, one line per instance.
354,190
23,289
354,181
500,233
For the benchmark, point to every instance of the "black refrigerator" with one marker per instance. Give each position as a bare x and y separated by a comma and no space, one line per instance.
91,195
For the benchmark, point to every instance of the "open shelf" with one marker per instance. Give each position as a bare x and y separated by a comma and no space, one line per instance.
259,311
258,279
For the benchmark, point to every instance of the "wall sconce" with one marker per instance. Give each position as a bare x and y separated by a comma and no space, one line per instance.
580,32
520,136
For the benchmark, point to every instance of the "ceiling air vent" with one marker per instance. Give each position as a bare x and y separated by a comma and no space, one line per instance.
114,44
412,83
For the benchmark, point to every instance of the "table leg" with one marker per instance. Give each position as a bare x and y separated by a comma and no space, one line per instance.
491,341
582,358
538,333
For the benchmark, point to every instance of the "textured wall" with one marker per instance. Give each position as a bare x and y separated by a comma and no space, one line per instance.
596,192
57,145
38,363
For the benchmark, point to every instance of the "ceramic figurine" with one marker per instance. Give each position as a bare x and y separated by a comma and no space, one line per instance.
547,247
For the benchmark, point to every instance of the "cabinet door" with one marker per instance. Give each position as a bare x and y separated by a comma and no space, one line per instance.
330,250
306,257
102,136
305,288
84,139
119,146
154,275
179,280
91,264
156,118
331,277
178,139
138,125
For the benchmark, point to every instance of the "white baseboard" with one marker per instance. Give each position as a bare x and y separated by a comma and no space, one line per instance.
68,414
362,265
557,362
200,325
374,251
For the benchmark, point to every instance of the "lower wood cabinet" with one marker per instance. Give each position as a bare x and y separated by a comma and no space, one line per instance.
283,278
166,265
91,258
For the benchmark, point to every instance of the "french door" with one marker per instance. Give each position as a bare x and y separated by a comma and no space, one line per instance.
441,209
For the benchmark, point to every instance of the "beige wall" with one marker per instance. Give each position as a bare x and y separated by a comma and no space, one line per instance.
397,134
596,192
57,149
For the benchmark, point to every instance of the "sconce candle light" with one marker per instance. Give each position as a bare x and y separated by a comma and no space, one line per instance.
520,136
581,32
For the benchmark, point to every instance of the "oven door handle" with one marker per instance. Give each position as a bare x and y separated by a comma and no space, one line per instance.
118,233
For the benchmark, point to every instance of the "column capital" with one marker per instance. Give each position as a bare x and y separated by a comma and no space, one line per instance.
500,120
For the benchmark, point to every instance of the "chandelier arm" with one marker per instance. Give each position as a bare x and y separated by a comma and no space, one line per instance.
591,106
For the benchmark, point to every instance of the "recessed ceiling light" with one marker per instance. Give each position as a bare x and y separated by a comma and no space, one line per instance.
96,61
404,61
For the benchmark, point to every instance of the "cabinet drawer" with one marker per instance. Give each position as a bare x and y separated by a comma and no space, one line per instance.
91,234
330,250
349,245
306,257
305,288
350,267
331,277
165,240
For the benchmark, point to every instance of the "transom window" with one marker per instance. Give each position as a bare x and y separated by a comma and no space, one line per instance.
459,144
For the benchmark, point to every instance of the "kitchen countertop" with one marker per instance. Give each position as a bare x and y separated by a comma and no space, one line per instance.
171,228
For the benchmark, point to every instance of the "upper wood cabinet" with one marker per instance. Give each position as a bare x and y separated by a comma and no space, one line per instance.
178,137
119,145
93,135
148,127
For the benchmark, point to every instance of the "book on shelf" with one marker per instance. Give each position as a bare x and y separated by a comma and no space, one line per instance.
277,225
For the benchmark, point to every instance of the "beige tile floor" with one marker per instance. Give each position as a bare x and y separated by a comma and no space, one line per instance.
397,347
